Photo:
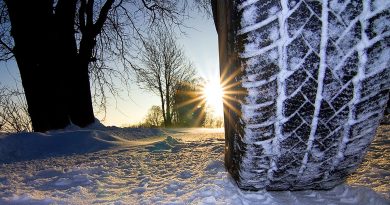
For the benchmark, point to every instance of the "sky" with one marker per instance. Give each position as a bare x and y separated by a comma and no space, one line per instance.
200,44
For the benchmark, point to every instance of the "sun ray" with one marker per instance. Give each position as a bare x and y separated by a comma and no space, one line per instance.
231,107
213,93
199,99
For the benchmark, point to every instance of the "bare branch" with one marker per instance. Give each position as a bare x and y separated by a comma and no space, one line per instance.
6,46
83,4
89,13
102,16
13,111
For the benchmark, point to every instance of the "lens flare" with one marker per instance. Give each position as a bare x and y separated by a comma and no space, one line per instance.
213,94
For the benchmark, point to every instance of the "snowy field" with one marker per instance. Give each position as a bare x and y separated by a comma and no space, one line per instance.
150,166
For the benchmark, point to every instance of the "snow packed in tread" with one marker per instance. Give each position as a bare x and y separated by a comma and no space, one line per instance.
324,69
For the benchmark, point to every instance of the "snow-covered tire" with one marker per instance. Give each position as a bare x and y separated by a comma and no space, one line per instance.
311,88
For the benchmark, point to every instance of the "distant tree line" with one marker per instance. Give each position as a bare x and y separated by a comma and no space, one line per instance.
188,108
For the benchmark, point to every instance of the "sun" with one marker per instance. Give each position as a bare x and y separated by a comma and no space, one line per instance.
213,94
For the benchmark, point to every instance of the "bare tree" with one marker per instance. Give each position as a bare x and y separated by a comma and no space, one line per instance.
13,111
162,66
154,118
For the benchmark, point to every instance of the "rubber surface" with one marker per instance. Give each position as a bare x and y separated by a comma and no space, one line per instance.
317,78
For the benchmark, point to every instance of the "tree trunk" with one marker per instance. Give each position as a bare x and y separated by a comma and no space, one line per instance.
34,55
75,66
54,77
80,101
228,63
167,100
163,107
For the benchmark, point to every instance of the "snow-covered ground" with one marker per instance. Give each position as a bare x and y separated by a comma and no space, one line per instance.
150,166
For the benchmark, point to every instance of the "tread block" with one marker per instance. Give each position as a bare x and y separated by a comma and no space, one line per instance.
372,104
298,19
376,83
294,122
378,56
292,104
312,33
378,24
343,98
294,81
296,52
262,94
262,133
349,68
263,65
310,139
263,36
352,37
352,10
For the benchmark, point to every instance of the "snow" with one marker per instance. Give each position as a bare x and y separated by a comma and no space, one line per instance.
168,144
168,166
380,4
18,147
250,15
250,26
273,10
246,3
274,34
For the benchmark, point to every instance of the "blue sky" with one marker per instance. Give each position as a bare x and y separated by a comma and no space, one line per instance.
201,47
